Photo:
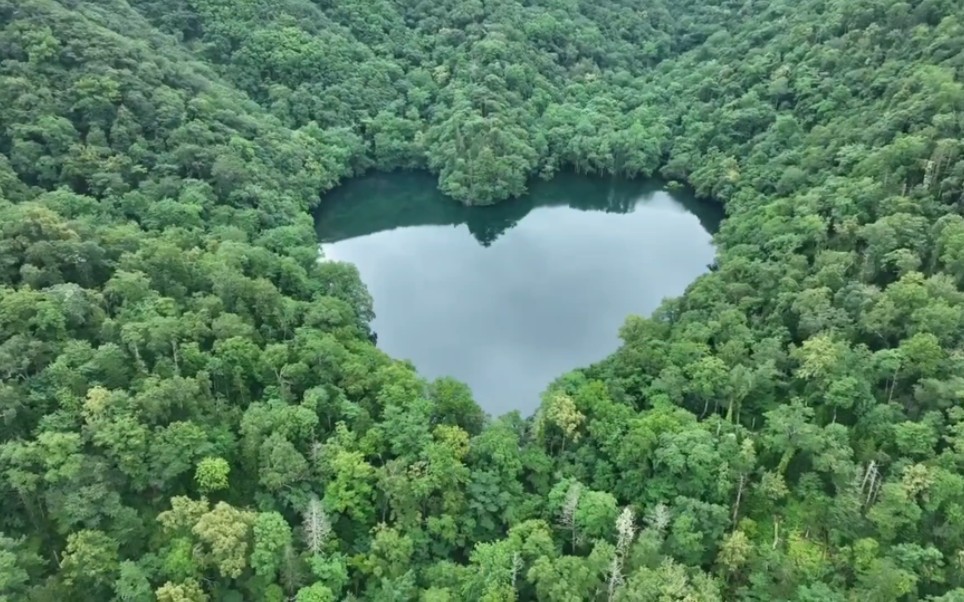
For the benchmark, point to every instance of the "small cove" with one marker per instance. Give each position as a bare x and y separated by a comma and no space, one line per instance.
509,297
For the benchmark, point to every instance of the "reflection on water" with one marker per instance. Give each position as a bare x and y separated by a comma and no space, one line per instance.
507,298
381,201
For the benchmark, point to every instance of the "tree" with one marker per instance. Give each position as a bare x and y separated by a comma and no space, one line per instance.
212,474
224,534
133,584
558,421
272,536
189,591
90,560
315,593
17,564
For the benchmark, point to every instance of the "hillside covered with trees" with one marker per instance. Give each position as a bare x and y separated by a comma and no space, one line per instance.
191,407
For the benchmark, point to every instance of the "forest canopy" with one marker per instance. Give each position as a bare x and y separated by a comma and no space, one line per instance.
191,405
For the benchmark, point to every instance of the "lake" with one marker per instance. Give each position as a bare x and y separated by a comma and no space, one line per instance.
507,298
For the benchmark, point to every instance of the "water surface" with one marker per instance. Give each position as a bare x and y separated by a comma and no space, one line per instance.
507,298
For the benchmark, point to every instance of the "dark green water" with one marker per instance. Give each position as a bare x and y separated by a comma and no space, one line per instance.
509,297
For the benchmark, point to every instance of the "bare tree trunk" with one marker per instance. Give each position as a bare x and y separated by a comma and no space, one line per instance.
739,496
893,384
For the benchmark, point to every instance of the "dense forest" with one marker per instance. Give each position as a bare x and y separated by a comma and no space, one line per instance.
191,407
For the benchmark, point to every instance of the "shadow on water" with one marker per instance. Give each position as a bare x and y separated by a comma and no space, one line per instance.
385,201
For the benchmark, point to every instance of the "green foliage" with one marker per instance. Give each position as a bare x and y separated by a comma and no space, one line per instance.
212,474
789,429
